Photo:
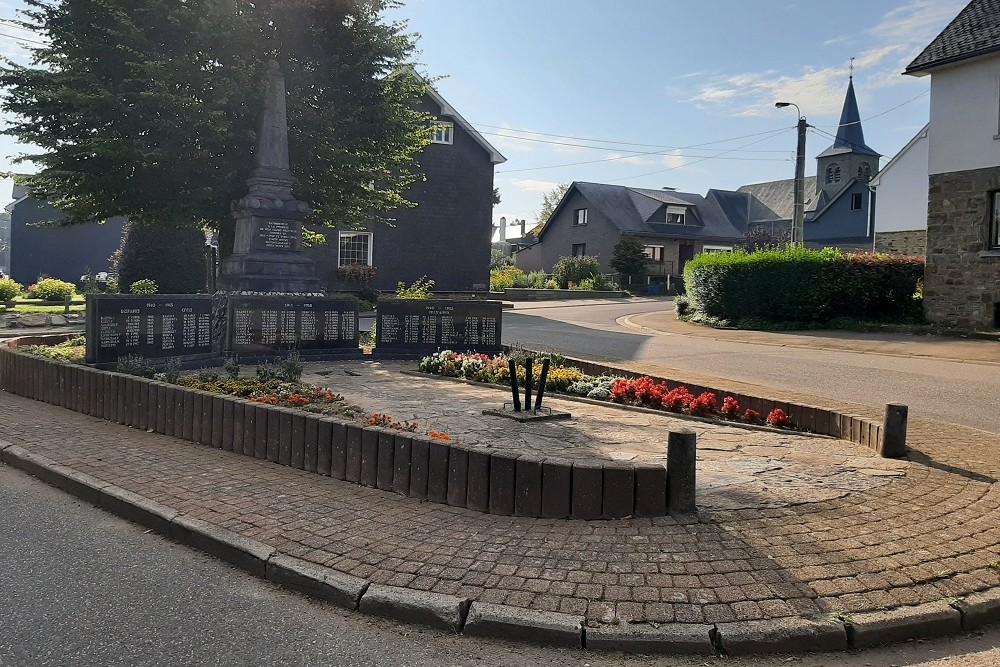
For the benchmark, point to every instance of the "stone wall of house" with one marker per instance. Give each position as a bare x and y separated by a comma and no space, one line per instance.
910,242
962,278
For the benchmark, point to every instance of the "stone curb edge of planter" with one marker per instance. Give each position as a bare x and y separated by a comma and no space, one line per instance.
629,408
455,614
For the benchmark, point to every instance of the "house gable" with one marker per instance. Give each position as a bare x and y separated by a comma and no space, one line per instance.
974,32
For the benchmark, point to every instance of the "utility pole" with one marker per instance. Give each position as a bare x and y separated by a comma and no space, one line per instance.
798,212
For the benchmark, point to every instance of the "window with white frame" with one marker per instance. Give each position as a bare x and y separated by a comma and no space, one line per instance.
654,253
676,215
717,248
579,250
442,132
355,248
856,201
580,216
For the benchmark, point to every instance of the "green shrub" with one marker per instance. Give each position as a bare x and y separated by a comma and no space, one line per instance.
171,256
9,288
805,287
144,286
420,289
501,279
537,279
51,289
574,270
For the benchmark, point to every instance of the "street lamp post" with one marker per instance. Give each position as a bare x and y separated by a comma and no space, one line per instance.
798,215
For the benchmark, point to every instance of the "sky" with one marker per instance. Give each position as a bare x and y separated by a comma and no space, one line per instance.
655,93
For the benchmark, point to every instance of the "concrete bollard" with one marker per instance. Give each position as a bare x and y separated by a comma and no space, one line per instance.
682,453
894,431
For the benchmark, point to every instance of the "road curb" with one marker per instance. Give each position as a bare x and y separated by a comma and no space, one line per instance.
339,589
446,612
932,619
457,614
517,624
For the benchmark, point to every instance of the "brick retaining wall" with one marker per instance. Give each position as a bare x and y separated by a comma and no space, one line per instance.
407,463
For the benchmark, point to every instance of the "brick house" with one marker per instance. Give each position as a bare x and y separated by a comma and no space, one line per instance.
447,235
962,277
674,226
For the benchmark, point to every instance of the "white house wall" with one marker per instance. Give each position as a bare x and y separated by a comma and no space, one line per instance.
901,202
965,116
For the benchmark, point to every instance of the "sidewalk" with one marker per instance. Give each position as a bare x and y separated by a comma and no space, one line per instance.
906,345
916,556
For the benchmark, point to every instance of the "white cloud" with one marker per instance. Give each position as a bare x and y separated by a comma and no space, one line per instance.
627,159
675,160
532,185
892,43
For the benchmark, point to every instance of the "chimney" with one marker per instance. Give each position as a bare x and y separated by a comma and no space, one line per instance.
503,229
522,229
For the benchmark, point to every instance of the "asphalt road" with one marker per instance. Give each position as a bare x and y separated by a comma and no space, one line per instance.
82,587
953,391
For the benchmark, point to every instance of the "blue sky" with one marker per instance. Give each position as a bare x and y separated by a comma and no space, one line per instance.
654,93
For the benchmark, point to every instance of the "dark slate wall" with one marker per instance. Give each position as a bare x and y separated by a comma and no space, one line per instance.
58,252
447,235
600,235
839,221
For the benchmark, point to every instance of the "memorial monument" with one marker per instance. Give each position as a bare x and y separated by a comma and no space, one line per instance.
267,252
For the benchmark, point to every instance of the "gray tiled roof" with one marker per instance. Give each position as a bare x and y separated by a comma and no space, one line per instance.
630,208
775,200
975,31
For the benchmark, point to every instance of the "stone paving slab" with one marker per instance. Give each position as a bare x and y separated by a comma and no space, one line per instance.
930,536
738,468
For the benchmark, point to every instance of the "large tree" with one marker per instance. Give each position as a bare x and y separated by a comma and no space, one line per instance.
148,108
550,200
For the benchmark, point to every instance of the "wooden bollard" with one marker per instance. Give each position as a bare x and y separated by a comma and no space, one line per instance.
682,452
893,443
513,384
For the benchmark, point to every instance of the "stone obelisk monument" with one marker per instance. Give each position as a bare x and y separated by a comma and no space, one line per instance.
267,253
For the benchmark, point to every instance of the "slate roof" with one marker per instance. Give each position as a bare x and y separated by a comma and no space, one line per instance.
850,135
974,32
630,208
775,200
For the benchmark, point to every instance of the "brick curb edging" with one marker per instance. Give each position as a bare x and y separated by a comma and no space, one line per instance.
485,480
468,617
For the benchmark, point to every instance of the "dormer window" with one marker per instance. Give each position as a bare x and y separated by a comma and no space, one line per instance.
833,174
676,215
580,216
442,132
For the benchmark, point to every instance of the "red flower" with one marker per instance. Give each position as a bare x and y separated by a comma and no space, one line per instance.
777,417
730,407
751,416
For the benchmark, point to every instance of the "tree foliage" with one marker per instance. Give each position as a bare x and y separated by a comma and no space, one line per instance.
629,256
761,238
550,200
148,108
171,256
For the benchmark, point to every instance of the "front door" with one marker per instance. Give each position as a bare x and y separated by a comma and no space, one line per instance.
686,253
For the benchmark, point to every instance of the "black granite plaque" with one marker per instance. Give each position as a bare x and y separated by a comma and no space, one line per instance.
152,326
433,324
265,324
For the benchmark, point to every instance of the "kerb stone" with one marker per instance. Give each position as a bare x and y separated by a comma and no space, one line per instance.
445,612
525,625
337,588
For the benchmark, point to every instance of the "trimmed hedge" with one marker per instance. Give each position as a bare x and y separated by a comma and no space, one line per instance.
797,285
171,256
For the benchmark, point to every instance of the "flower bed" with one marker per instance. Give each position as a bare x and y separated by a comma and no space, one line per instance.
643,391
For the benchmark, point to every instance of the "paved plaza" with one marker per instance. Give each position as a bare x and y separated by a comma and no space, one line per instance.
788,526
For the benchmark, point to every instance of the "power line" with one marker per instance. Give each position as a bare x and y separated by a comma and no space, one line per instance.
882,113
596,148
24,39
712,157
627,157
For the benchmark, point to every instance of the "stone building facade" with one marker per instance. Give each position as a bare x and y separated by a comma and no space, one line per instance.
911,242
962,278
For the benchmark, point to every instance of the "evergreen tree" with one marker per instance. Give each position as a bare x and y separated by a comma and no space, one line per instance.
171,256
148,108
629,256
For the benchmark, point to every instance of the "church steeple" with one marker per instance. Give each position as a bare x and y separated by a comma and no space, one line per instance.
849,156
850,134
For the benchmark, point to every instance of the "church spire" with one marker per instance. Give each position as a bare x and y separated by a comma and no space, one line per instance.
850,135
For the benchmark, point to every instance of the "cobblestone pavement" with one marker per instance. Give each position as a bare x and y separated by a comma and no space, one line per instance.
929,535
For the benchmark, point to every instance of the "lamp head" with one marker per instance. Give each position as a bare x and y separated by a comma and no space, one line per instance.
782,105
